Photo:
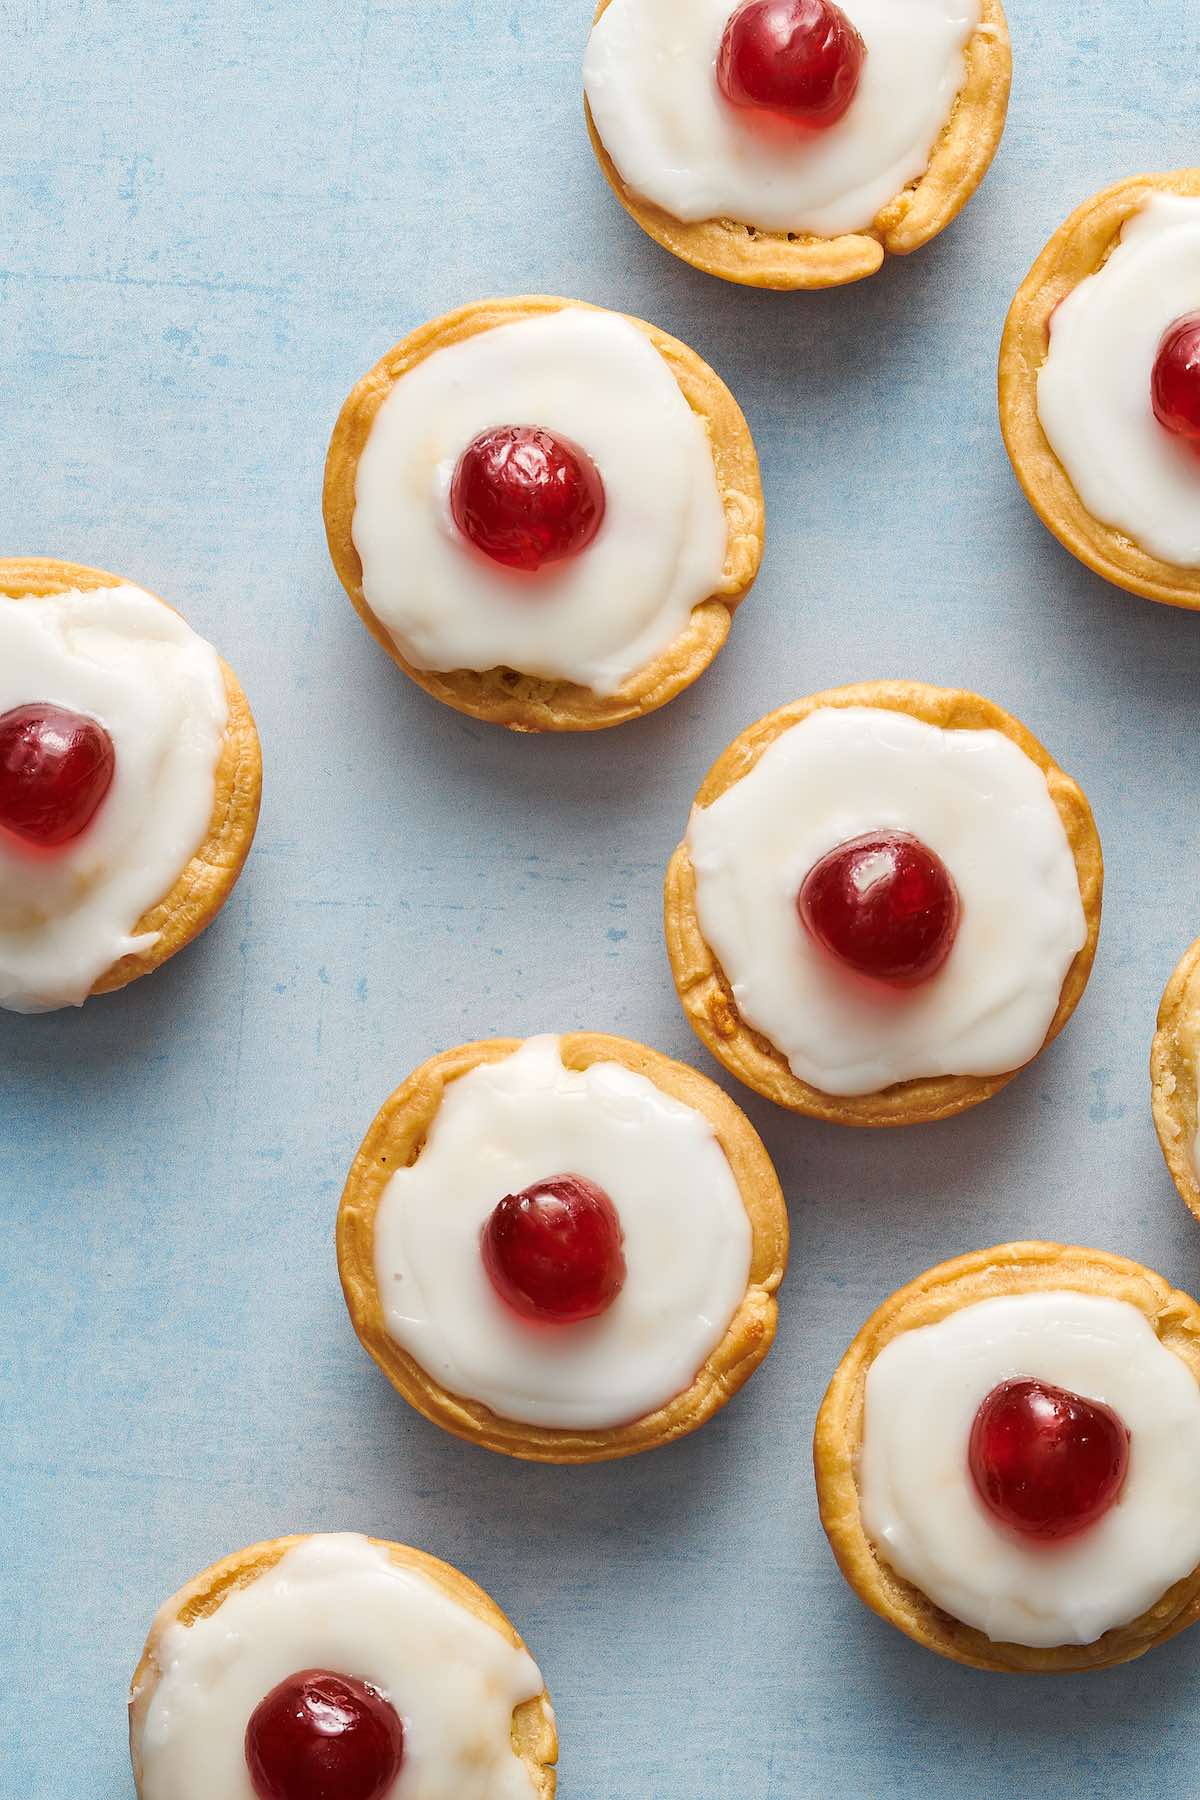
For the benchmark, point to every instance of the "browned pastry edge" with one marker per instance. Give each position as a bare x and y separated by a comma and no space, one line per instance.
529,702
208,880
983,1275
793,260
1078,249
706,994
1174,1058
396,1140
534,1737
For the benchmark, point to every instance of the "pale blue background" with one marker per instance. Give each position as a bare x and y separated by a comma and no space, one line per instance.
214,215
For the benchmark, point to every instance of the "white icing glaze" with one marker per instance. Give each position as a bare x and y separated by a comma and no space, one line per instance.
130,662
595,618
687,1241
977,800
919,1504
339,1603
650,77
1093,392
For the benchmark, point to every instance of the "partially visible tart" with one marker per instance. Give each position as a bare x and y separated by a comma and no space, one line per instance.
546,513
564,1249
130,778
1175,1077
1108,469
338,1664
1006,1460
818,195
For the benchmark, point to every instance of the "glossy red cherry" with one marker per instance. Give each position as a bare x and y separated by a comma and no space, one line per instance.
1175,383
553,1252
526,496
319,1736
1045,1461
885,905
56,767
801,59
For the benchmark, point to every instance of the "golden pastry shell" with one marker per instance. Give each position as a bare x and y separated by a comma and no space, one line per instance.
792,260
504,696
1079,248
1174,1064
705,992
534,1737
208,880
985,1275
395,1141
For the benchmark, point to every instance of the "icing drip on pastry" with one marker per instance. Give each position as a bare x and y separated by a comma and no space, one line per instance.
982,806
120,657
339,1603
1095,392
919,1504
687,1241
595,380
651,84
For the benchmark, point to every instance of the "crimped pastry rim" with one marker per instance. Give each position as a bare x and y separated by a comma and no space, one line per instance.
705,992
396,1138
796,261
982,1274
212,872
530,703
1173,1075
534,1736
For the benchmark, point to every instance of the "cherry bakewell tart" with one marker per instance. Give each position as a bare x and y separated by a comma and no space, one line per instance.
545,512
565,1249
338,1667
887,902
130,775
795,143
1007,1458
1100,386
1175,1077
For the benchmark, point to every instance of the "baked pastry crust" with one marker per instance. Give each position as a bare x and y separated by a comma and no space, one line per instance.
983,1275
792,260
505,696
396,1140
1078,249
208,880
706,994
1174,1061
534,1737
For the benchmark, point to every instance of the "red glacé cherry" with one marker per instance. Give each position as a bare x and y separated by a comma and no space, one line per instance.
1045,1461
553,1252
56,767
801,59
885,905
319,1736
526,497
1175,383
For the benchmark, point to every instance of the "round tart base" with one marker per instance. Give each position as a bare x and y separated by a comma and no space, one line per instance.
529,702
707,996
1174,1067
209,878
534,1737
395,1141
1008,1269
794,260
1078,249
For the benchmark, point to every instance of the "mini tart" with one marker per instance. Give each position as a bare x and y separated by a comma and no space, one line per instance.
706,994
209,878
534,1737
790,260
1078,249
984,1275
396,1139
504,696
1174,1068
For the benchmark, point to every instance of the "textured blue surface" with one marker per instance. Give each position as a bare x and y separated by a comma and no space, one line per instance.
214,215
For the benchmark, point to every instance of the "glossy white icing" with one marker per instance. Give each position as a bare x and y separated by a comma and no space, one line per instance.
977,800
687,1241
595,618
919,1504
